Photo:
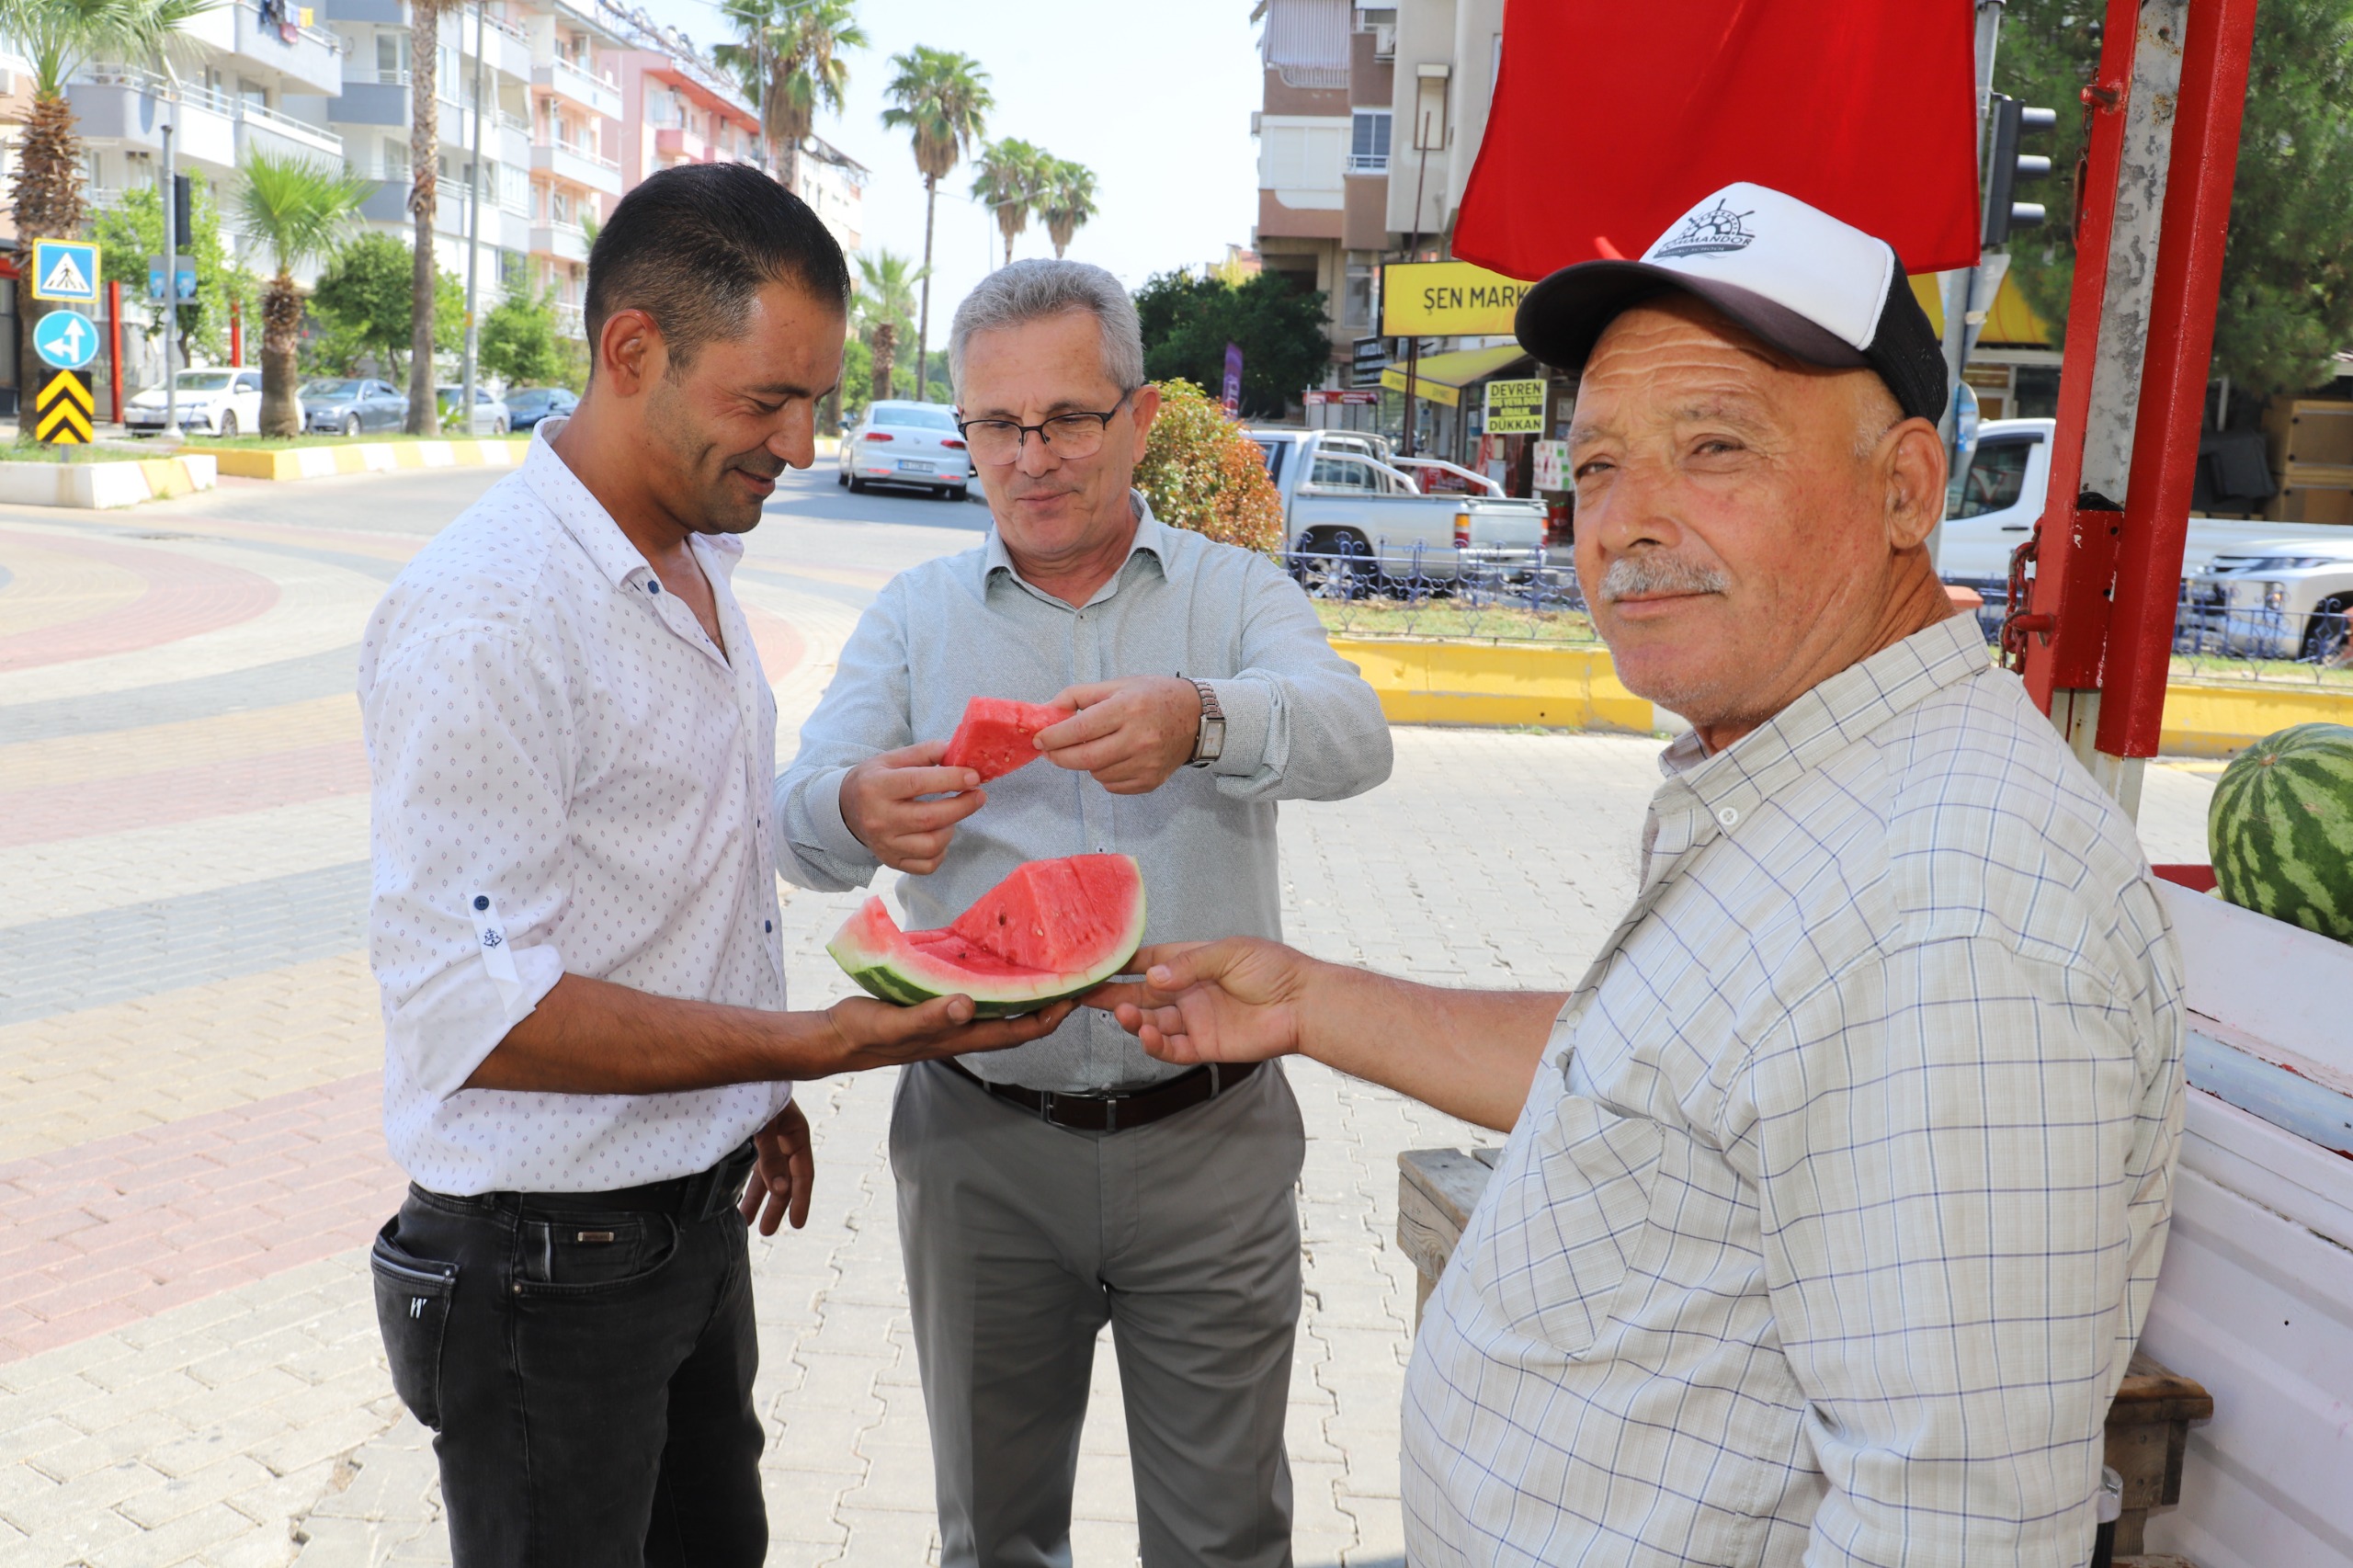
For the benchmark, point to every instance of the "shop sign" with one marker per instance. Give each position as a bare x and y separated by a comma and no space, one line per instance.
1446,299
1371,354
1363,397
1552,465
1516,408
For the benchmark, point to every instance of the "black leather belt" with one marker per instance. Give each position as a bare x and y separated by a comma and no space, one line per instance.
1119,1112
706,1195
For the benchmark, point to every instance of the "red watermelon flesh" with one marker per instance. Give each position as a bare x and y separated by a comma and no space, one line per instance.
1055,914
999,734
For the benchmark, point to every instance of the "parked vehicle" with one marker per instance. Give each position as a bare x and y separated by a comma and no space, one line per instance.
1342,505
526,406
2278,598
1997,492
491,417
213,402
907,443
350,406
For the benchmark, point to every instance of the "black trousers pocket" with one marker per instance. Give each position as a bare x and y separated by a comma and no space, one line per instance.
412,1297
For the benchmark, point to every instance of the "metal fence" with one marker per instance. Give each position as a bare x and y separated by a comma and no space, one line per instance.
2215,637
1420,590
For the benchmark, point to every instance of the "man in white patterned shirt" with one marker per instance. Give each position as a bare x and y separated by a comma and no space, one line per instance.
573,924
1837,1188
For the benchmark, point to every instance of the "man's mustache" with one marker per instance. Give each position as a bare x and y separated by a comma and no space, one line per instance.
762,465
1651,575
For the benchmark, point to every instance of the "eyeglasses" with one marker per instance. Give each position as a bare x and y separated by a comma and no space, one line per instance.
1067,436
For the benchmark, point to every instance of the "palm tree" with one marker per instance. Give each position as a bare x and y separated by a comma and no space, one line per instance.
298,210
885,300
1069,201
790,63
1010,177
941,100
57,38
424,177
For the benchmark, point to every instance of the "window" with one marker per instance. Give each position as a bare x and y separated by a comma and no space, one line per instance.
1369,142
1343,474
395,158
392,57
1356,299
1994,480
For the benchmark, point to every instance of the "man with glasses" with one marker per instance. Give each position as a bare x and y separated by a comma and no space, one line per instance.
1071,1182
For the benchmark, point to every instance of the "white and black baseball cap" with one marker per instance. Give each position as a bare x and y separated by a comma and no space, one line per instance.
1822,291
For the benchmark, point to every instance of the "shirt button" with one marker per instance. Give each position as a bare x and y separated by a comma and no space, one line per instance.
481,901
653,588
768,925
1726,815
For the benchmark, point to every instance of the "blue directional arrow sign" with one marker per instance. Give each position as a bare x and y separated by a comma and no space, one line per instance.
65,339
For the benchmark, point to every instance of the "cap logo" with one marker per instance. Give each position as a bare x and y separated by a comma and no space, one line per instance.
1713,233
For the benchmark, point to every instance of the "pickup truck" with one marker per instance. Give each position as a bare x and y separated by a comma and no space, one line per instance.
1996,494
1342,501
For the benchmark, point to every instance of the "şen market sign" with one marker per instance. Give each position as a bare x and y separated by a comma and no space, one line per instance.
1446,299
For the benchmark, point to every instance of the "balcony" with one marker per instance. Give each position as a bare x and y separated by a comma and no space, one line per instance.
566,242
676,141
576,166
282,136
309,56
1367,163
129,105
597,94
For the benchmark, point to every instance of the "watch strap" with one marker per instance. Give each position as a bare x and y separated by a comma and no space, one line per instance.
1208,741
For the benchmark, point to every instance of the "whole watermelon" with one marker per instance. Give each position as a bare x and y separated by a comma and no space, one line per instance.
2280,829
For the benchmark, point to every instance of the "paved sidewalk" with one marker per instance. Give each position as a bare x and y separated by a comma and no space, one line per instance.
191,1166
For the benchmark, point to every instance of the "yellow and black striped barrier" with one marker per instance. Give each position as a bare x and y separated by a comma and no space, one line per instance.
62,409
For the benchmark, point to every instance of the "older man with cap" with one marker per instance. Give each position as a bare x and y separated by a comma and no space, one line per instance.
1835,1191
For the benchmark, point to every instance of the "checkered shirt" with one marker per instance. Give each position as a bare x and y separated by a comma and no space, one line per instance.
1835,1209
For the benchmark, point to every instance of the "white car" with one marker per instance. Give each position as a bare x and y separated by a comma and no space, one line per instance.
2283,599
907,443
211,403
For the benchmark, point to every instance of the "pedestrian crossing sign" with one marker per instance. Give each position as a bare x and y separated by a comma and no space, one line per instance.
65,269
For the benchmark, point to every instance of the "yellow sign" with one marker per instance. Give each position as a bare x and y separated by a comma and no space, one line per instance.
1516,408
62,408
1446,299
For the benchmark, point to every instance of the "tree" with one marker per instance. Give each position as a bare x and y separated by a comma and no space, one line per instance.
57,38
1202,471
790,63
1069,201
1009,177
858,380
133,229
941,100
365,302
298,210
885,300
2287,288
424,177
1188,319
520,344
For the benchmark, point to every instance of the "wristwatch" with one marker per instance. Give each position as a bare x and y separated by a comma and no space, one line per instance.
1209,742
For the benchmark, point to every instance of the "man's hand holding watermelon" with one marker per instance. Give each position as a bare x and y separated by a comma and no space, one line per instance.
903,806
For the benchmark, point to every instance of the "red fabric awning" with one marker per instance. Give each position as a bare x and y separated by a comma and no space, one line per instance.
1612,117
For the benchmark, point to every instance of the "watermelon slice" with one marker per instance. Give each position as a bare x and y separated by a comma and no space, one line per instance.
999,734
1052,929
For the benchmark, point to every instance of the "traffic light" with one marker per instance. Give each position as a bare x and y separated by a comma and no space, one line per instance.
2008,120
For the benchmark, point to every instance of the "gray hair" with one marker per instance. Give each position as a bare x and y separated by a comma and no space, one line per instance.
1031,291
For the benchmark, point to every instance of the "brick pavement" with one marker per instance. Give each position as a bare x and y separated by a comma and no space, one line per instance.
188,1365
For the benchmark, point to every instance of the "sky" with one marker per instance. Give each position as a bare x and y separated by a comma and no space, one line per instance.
1154,98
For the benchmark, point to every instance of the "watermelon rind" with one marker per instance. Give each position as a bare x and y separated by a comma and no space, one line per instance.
875,954
2279,829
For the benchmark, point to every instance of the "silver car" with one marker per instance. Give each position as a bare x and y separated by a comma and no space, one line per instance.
907,443
2287,598
351,405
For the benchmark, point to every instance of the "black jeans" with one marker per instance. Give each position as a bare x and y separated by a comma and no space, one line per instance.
587,1373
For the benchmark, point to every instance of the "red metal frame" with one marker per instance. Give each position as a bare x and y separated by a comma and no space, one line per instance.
2101,609
2217,45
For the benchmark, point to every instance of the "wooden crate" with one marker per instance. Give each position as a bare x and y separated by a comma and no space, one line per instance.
2309,430
2313,492
2148,1425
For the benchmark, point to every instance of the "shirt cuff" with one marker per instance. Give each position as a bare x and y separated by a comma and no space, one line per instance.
455,1020
1249,709
833,834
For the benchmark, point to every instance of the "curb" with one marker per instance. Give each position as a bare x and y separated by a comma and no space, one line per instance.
368,457
99,486
1576,687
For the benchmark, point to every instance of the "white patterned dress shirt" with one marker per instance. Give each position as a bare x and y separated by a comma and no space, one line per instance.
562,761
1833,1212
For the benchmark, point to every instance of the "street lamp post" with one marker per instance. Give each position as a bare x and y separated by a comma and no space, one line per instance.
474,235
171,282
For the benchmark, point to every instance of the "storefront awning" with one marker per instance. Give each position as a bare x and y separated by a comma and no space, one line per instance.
1441,378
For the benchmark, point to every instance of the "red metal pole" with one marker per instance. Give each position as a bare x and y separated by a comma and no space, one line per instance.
236,335
2066,618
2216,47
114,350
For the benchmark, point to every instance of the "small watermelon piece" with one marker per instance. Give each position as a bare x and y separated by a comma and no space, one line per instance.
2279,829
1052,929
999,734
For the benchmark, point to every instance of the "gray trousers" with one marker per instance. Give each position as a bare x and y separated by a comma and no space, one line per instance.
1022,1240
